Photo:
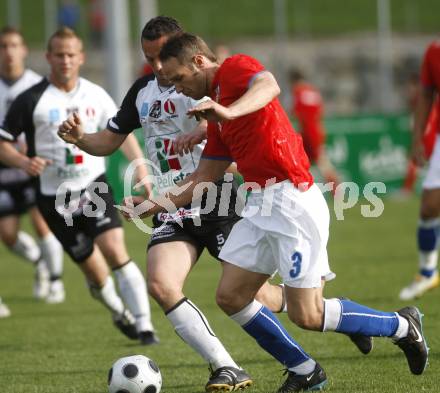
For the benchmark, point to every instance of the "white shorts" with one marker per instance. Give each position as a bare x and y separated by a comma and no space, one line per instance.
288,234
432,178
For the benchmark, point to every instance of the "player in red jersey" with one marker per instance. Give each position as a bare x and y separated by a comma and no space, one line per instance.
429,136
307,108
285,221
429,223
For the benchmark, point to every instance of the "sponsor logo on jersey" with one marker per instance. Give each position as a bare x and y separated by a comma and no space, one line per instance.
156,109
73,158
144,109
54,115
169,107
71,110
166,156
90,112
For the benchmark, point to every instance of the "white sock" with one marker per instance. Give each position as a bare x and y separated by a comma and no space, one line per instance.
304,368
52,252
284,304
108,297
191,325
246,314
332,314
402,329
133,289
26,247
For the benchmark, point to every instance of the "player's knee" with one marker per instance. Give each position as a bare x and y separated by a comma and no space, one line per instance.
161,292
227,301
306,319
9,239
429,211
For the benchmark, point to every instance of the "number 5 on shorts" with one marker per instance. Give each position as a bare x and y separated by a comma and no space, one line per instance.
296,264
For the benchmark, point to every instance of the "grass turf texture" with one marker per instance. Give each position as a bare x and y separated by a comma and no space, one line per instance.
70,347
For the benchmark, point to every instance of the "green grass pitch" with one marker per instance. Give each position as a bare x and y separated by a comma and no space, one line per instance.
69,348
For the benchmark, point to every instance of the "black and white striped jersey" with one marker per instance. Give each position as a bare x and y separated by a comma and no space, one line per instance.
39,111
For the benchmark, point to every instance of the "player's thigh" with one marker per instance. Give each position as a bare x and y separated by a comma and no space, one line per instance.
9,226
38,222
169,263
112,245
430,204
238,287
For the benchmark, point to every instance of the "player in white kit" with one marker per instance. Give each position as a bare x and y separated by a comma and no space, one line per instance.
73,194
17,189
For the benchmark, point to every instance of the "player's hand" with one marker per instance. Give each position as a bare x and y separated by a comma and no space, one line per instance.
418,153
184,144
35,166
129,208
71,130
211,111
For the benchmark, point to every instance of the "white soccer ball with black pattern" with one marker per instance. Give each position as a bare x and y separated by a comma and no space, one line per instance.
134,374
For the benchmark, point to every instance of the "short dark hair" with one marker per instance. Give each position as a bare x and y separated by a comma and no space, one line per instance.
296,75
184,47
160,26
62,33
11,30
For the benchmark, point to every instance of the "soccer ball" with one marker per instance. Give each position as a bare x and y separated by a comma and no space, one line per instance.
134,374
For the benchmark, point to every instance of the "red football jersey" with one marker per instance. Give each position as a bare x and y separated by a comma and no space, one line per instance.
430,75
263,143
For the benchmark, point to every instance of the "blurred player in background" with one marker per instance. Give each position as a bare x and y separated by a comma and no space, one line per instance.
174,144
91,241
429,223
307,109
248,125
415,90
17,188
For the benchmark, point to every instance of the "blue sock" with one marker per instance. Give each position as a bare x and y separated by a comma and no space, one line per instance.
358,319
427,237
266,329
427,240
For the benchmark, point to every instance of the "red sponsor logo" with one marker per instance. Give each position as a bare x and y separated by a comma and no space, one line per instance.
90,112
169,107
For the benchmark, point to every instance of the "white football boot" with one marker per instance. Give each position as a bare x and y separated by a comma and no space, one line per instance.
56,292
419,286
4,310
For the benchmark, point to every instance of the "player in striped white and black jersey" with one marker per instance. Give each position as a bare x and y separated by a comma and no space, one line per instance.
73,195
17,189
153,104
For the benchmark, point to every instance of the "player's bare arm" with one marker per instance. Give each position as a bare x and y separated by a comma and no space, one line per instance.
133,152
184,144
423,109
10,156
100,143
208,171
264,89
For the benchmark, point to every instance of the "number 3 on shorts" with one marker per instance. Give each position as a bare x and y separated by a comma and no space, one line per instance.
296,264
